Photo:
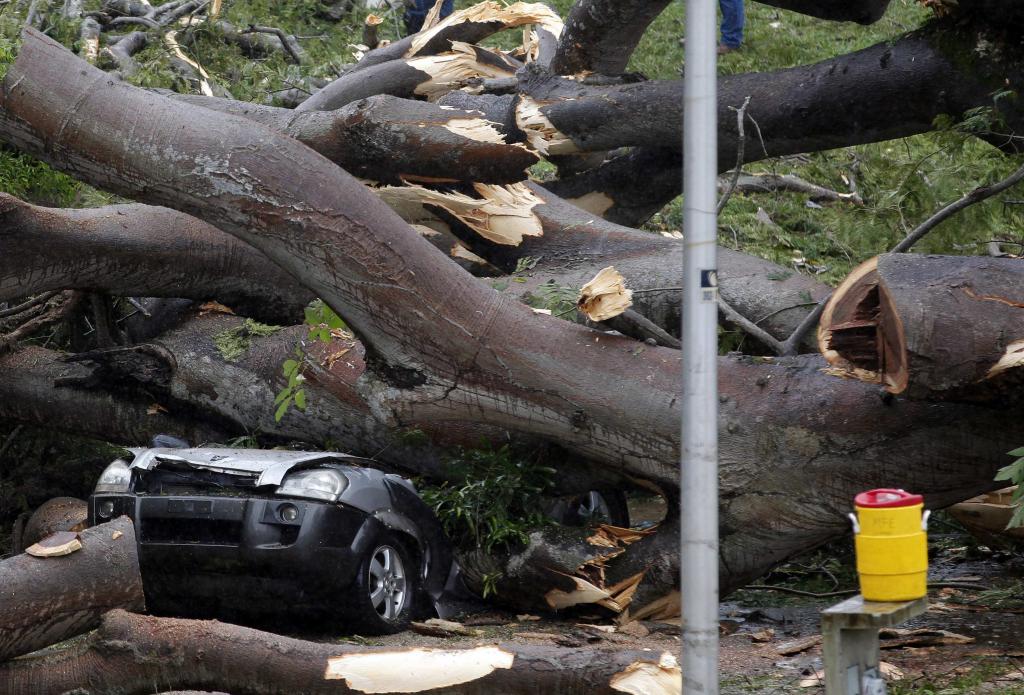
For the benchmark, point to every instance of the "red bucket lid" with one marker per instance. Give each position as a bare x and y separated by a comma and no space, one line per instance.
886,497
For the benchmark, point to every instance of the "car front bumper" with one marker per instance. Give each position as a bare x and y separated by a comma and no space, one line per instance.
217,555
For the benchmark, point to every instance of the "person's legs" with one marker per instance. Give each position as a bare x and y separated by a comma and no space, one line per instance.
732,22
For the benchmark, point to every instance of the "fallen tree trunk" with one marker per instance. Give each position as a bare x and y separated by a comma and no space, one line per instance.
796,444
948,326
136,655
442,347
914,79
48,600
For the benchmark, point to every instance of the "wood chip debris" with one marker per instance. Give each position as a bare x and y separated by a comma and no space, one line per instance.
765,635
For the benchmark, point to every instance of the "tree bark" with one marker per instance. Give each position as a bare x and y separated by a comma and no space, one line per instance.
388,139
427,76
947,326
626,189
139,250
136,655
47,600
601,35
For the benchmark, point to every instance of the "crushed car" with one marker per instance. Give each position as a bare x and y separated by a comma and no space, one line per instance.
256,534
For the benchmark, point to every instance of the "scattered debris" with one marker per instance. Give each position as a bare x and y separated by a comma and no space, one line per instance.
436,627
894,638
765,635
798,646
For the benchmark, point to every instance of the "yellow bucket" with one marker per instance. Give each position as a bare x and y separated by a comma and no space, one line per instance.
890,537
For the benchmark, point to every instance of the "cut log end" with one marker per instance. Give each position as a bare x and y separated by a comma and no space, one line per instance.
861,334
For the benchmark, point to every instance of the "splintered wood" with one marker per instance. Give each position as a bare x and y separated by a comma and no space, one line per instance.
589,580
663,677
502,214
515,15
420,669
605,296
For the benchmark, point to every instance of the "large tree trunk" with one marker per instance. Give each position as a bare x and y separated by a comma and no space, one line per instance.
136,655
796,444
948,326
48,600
442,347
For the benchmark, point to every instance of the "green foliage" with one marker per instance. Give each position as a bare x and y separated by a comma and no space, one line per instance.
321,320
1014,473
234,342
556,298
492,500
293,393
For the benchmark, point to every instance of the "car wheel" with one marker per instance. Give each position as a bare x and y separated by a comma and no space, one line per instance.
385,588
594,507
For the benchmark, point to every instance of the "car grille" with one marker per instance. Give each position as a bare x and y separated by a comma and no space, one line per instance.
195,482
191,530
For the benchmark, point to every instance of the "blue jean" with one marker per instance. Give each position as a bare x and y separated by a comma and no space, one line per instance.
732,22
415,15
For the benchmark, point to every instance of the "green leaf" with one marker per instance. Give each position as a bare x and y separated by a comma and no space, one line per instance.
300,399
1014,472
290,367
282,409
282,394
1017,452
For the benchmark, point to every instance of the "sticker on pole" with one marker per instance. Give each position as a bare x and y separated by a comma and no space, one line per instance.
709,285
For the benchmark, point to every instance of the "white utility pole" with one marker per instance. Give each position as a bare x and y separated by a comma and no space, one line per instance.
699,476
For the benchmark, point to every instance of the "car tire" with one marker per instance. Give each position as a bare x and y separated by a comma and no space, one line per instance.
385,589
597,506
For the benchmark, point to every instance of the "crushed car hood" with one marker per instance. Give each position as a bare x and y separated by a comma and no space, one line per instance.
270,466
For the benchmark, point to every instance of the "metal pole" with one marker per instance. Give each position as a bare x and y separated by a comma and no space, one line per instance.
699,476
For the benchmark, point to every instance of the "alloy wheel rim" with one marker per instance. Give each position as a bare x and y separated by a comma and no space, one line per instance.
387,582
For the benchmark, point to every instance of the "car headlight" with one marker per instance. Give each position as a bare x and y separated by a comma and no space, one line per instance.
114,478
319,483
